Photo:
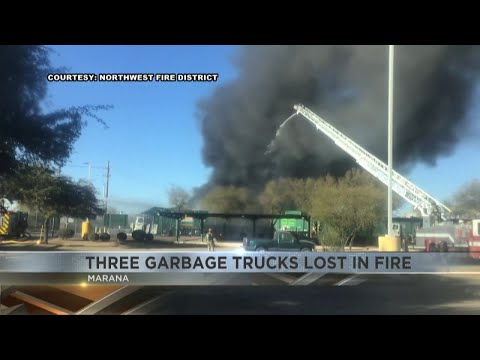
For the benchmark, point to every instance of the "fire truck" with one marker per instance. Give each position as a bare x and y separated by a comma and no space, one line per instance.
437,232
12,223
453,235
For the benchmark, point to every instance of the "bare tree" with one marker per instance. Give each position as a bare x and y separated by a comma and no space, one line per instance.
229,199
465,202
112,210
178,197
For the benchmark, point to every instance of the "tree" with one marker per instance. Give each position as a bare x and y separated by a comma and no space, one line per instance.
112,210
288,193
28,135
228,199
465,203
348,206
178,198
40,189
276,196
303,193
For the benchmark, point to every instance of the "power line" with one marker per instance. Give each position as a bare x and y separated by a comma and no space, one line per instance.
77,166
84,166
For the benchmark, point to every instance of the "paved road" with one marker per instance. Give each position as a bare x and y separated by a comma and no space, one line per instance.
369,294
266,294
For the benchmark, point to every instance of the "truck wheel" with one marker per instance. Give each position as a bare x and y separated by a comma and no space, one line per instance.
260,249
306,249
105,237
122,236
138,235
149,237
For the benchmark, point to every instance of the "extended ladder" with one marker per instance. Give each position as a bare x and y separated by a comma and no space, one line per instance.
403,187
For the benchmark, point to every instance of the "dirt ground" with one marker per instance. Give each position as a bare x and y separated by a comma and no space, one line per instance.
160,243
77,244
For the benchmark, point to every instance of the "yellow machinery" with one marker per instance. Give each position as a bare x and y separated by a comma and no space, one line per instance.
86,230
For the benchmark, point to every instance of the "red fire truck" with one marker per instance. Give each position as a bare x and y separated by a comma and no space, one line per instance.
451,236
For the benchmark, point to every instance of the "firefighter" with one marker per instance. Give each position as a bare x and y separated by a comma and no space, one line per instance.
210,240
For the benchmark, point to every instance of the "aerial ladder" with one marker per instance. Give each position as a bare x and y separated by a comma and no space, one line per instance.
428,205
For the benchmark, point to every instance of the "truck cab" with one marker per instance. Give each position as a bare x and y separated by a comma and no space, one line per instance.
139,223
281,241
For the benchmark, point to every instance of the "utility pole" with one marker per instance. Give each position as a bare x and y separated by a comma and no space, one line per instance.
106,186
390,136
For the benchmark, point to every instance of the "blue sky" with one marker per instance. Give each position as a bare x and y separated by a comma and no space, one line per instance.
153,139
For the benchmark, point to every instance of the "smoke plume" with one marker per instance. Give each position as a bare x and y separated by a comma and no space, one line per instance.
347,86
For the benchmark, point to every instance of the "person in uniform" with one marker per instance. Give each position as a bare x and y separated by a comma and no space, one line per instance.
210,240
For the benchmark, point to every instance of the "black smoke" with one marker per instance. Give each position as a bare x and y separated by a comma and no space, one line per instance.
347,86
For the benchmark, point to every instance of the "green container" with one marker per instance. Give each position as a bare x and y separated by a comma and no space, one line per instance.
115,221
300,225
